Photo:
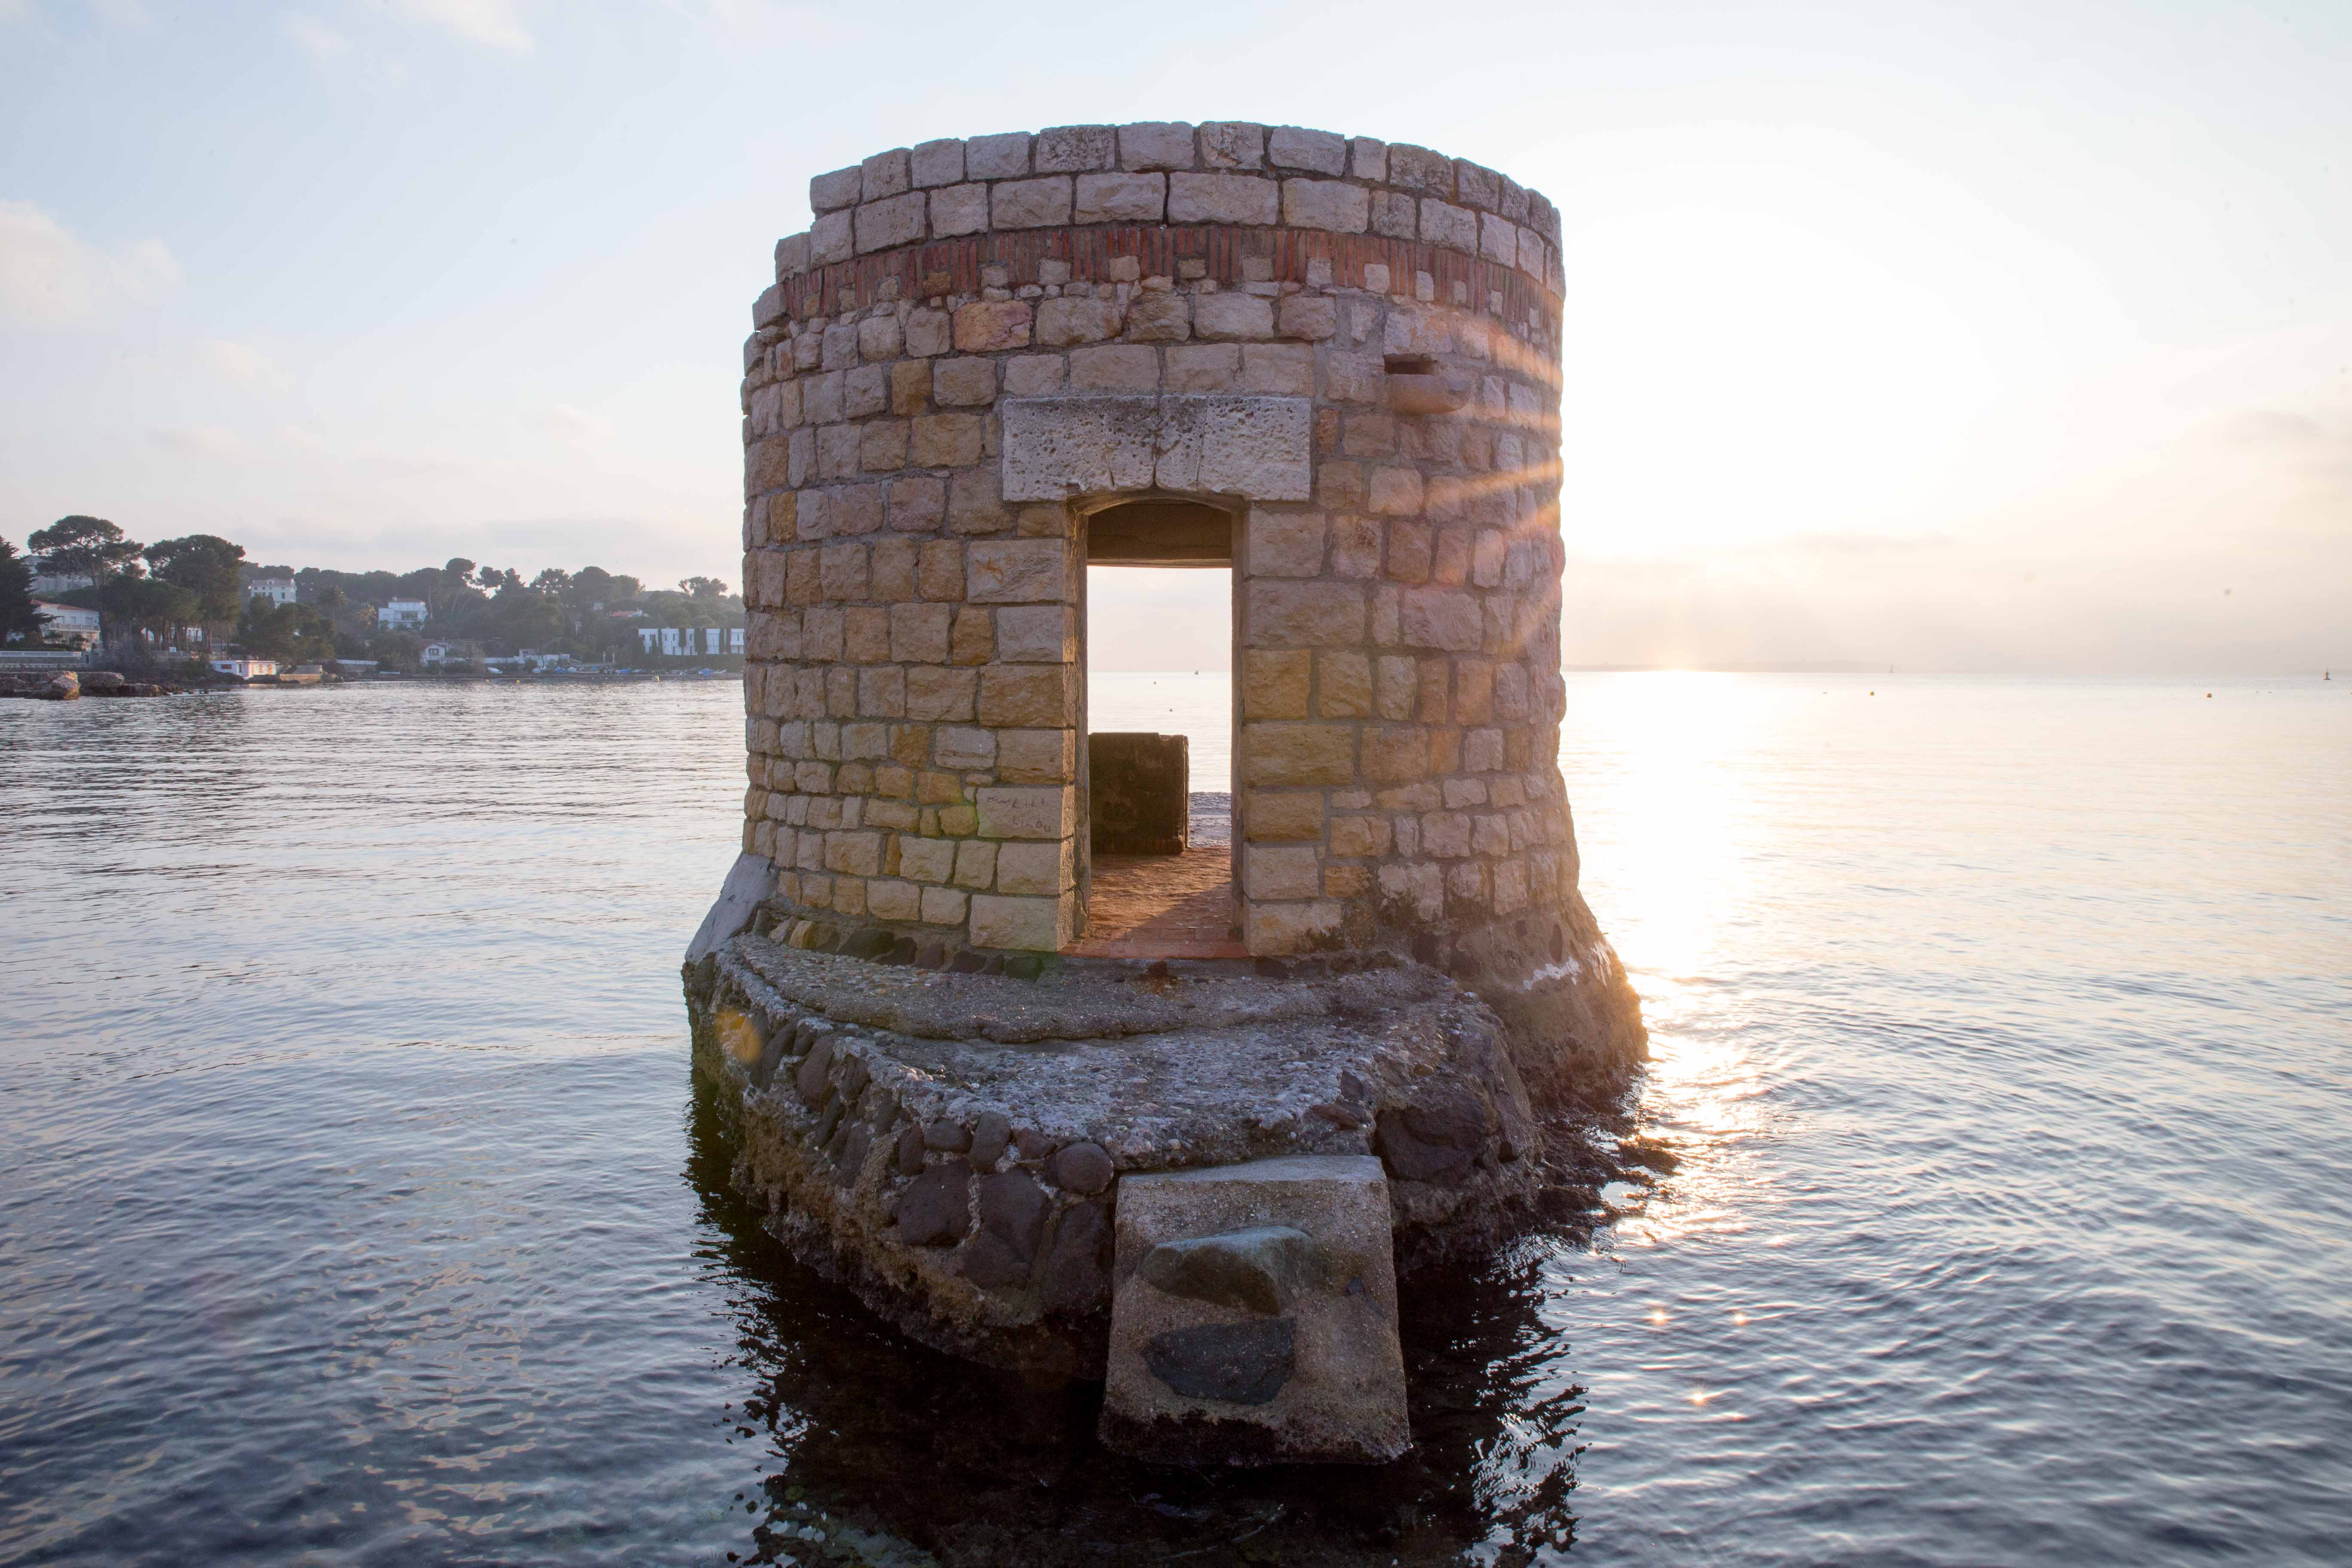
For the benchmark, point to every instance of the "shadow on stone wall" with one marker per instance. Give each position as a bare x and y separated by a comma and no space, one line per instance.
887,1452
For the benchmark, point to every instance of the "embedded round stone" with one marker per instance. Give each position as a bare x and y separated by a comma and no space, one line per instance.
1083,1168
1261,1268
993,1264
1409,1159
935,1209
990,1134
947,1137
813,1079
1239,1364
1449,1116
1072,1278
1013,1209
910,1150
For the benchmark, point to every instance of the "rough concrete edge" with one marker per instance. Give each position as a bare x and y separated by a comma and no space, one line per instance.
750,882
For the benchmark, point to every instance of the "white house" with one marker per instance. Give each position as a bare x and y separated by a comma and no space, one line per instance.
402,615
277,590
48,582
68,622
687,641
245,669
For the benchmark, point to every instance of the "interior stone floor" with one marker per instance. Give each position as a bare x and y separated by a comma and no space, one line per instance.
1168,906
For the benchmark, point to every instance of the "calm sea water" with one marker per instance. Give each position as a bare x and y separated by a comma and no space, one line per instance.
355,1207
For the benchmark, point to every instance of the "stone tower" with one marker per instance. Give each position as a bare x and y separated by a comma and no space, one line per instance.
1331,362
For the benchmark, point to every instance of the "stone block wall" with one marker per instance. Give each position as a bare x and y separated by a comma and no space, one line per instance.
1352,345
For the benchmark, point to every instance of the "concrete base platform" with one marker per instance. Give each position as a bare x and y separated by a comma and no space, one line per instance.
952,1145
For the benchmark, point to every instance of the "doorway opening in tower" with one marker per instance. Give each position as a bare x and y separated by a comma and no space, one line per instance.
1157,852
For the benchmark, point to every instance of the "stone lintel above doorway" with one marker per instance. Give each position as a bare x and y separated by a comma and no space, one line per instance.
1258,449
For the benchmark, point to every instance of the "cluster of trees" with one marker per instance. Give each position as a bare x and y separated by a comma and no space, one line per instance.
161,589
160,593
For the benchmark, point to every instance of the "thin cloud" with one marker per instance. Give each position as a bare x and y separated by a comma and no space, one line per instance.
50,276
198,440
123,16
491,22
320,41
578,426
244,363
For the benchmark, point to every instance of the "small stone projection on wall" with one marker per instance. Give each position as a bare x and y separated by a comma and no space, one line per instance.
979,342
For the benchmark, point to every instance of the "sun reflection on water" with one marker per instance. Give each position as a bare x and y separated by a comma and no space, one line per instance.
1660,809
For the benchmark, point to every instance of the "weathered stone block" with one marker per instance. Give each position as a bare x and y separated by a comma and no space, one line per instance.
1305,614
1139,793
935,695
1498,240
1201,367
959,209
1275,682
1292,147
1122,198
1115,367
841,188
1001,157
1030,634
1444,224
1232,144
896,221
832,238
946,441
1034,870
1061,323
1332,204
1260,447
919,633
1037,756
1031,203
1068,149
1164,144
1441,619
1226,316
1282,817
1344,685
1027,811
1311,316
1028,925
965,382
937,163
1286,544
926,859
1396,493
1239,199
985,326
1359,836
964,749
1297,755
1273,931
1016,571
1254,1316
890,900
1028,695
1282,873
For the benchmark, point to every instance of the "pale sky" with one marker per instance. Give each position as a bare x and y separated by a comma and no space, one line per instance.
1984,336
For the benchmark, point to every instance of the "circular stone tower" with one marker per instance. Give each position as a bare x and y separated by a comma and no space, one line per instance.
1331,362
